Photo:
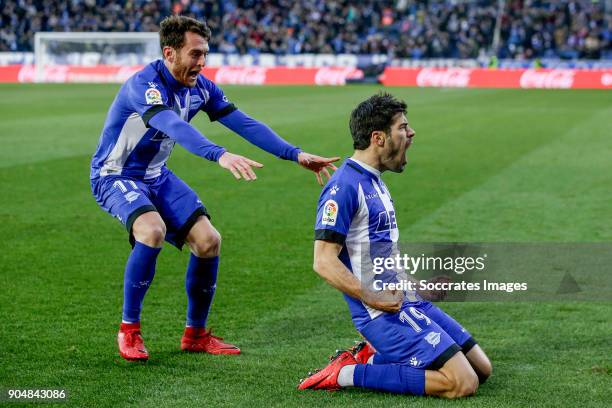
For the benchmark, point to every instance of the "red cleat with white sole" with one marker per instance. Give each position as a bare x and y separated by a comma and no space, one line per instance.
362,352
327,378
200,340
131,344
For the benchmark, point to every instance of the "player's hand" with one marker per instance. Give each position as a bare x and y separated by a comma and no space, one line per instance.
389,301
318,164
240,166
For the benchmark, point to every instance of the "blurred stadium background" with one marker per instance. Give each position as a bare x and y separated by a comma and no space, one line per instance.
494,160
255,42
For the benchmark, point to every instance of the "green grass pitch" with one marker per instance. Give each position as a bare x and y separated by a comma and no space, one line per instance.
487,165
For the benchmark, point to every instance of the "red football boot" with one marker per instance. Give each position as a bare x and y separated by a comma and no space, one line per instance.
200,340
327,378
131,345
362,352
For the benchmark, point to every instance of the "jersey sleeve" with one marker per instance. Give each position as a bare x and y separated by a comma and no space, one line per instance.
147,98
337,205
217,105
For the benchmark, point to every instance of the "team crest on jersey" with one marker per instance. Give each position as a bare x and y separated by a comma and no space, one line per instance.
330,213
433,338
153,96
195,102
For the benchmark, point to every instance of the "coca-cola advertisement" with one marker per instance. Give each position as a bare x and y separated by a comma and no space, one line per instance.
458,78
223,75
392,76
498,78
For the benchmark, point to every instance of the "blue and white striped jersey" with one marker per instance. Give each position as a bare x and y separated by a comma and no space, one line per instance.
356,210
128,146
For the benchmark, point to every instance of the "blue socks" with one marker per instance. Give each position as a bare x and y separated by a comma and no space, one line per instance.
396,378
139,272
200,283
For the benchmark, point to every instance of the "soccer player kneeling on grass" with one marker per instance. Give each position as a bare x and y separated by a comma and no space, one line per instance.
412,346
130,180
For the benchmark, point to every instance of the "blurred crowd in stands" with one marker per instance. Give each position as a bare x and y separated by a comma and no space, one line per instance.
415,29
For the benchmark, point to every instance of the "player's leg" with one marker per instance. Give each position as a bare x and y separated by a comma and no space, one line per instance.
188,222
128,201
148,231
200,283
419,358
201,278
480,363
455,379
415,355
473,352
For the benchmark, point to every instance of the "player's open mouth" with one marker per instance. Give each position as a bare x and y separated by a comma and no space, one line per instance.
193,74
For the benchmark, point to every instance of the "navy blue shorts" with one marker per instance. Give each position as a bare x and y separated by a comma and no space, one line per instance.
420,335
126,198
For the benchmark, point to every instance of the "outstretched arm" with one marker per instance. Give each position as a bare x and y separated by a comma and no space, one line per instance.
266,139
168,122
260,135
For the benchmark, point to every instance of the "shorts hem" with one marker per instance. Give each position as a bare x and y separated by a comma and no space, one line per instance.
136,213
444,357
468,345
181,234
130,221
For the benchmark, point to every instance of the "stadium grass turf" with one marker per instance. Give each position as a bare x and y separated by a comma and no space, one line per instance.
487,165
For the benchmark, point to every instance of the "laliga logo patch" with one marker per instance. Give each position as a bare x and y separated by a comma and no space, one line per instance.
433,338
153,96
330,212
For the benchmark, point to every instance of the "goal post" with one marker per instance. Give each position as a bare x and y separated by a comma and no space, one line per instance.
92,57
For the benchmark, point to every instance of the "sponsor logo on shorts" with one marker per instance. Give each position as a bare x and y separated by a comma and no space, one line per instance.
153,96
131,196
433,338
330,212
414,362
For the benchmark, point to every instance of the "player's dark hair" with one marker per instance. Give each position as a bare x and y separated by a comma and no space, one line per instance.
375,113
172,31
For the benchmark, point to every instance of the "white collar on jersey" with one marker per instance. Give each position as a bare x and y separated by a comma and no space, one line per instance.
367,167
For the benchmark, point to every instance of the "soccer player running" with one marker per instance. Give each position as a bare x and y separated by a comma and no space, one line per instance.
130,180
412,346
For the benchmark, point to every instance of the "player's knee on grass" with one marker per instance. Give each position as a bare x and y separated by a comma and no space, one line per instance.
480,362
484,371
461,380
465,385
204,240
149,229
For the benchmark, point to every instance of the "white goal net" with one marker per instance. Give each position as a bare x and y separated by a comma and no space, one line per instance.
92,57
